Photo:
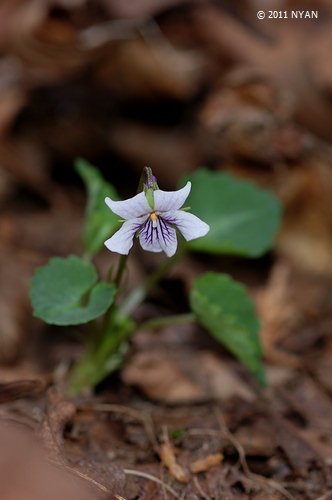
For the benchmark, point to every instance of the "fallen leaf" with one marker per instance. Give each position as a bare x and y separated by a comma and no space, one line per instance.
159,377
220,379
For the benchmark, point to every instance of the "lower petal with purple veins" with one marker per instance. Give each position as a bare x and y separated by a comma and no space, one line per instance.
148,237
167,237
122,241
157,236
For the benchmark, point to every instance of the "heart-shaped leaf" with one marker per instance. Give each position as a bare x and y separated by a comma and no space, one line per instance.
243,217
58,291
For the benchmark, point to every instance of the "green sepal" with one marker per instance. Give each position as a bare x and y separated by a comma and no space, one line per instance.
150,198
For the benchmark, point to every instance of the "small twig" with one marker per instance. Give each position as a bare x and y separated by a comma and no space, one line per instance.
200,489
62,466
256,478
161,468
88,478
145,475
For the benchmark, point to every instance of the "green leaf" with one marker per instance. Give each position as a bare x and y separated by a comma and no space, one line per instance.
223,307
100,222
58,288
243,217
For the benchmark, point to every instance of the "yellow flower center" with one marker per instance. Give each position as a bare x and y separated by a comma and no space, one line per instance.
154,217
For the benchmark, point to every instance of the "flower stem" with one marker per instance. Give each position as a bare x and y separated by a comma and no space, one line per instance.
121,268
167,320
136,297
117,282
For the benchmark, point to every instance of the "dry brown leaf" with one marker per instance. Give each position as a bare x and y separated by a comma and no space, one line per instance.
203,464
294,311
167,456
159,377
306,233
182,374
243,124
220,379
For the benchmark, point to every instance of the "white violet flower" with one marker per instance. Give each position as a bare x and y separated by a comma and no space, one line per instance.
153,215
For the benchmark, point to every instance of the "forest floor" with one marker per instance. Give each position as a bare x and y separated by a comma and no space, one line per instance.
192,85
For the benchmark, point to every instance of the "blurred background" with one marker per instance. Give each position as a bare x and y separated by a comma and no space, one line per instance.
174,85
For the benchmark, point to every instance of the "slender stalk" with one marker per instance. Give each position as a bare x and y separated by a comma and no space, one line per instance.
121,268
117,281
86,256
136,297
166,320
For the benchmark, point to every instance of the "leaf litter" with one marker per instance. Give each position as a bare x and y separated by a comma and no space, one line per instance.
176,92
